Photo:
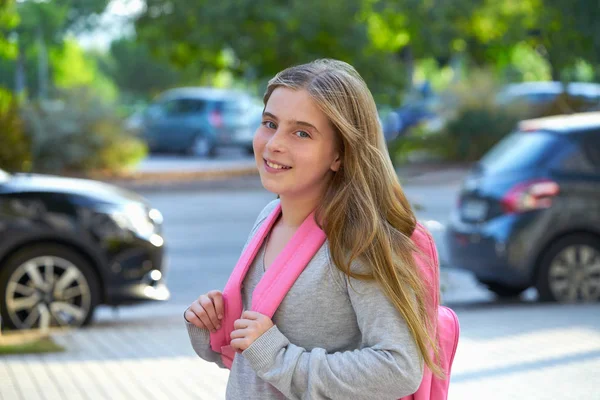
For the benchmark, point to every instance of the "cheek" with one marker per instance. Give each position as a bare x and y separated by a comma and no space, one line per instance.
259,140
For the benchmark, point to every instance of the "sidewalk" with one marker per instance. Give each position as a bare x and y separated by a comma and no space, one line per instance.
167,174
519,351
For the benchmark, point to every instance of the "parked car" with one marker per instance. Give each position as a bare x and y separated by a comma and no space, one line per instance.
543,93
69,245
528,213
197,121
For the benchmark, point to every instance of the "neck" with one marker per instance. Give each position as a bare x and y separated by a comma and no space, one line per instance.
294,210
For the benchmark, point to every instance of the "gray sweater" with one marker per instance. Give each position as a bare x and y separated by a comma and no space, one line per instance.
333,338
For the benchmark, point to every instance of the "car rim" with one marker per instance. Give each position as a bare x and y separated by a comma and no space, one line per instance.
575,274
47,291
201,146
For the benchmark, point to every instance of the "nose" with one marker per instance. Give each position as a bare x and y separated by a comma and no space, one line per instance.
276,143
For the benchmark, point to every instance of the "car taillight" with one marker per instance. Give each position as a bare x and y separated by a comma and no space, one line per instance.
216,119
533,195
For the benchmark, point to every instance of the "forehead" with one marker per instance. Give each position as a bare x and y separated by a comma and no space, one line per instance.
295,105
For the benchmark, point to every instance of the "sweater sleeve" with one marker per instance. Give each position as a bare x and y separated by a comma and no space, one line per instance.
200,338
387,366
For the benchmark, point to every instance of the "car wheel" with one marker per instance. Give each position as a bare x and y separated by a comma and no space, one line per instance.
570,271
503,291
201,147
47,285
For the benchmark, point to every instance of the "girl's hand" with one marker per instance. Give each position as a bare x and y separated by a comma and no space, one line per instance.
249,328
207,311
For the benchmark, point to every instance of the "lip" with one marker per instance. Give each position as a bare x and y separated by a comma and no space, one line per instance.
273,170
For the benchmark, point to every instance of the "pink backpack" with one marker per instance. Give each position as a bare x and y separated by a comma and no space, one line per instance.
290,263
447,329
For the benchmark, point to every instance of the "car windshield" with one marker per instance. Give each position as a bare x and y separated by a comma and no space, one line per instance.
518,151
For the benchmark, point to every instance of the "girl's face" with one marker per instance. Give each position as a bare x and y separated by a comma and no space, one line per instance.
295,147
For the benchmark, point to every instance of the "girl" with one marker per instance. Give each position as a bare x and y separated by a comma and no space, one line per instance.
354,325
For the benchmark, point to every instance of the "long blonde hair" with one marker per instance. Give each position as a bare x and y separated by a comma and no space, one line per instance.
364,212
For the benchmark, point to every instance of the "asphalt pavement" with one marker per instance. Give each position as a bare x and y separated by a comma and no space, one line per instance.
508,350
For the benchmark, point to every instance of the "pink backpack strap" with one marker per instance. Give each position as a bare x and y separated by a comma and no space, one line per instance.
275,283
287,267
232,293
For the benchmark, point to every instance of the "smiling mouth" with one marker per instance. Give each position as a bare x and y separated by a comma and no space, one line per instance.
275,165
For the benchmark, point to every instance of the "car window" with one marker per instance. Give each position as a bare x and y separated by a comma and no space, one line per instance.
591,149
519,150
183,106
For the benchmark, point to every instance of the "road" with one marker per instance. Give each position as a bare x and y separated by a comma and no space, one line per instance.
205,232
515,350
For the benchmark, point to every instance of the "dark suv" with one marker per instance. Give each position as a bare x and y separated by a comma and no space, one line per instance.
68,245
529,212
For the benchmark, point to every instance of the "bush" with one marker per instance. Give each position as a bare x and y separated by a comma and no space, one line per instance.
78,133
473,123
15,145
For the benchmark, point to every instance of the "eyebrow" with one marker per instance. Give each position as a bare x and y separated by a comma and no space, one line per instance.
303,123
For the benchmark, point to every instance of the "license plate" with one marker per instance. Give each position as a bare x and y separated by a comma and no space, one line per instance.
474,210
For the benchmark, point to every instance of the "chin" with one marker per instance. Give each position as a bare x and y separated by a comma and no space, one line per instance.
269,185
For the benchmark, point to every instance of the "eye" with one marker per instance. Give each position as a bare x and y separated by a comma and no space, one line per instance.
303,135
269,124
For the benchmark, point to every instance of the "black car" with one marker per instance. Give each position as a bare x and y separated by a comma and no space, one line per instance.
69,245
529,212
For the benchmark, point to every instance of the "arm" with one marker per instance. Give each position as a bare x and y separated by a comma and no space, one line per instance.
387,366
200,340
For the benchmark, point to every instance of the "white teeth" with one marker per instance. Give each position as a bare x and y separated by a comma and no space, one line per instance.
275,166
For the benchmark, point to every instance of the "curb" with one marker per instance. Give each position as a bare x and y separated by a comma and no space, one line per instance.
206,179
244,178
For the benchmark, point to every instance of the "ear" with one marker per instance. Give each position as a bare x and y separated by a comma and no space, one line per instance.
336,164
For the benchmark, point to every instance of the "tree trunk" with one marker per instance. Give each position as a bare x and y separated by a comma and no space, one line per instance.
20,75
43,74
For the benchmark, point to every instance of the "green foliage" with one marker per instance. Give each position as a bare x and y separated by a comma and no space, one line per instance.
15,146
473,131
262,38
474,123
73,68
80,133
9,19
136,72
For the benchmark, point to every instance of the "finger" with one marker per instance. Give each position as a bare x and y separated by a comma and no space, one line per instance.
192,318
239,344
199,310
241,323
251,315
217,298
208,305
239,333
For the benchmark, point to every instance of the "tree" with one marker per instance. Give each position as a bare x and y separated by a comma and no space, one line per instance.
130,64
44,25
257,39
9,19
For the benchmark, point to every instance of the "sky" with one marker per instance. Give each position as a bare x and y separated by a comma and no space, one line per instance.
114,23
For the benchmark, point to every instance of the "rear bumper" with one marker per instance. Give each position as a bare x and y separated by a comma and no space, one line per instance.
491,251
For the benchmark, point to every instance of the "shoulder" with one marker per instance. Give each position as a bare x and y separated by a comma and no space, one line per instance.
266,211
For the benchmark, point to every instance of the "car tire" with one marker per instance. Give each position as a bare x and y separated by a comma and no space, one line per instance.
503,291
201,146
38,299
569,271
